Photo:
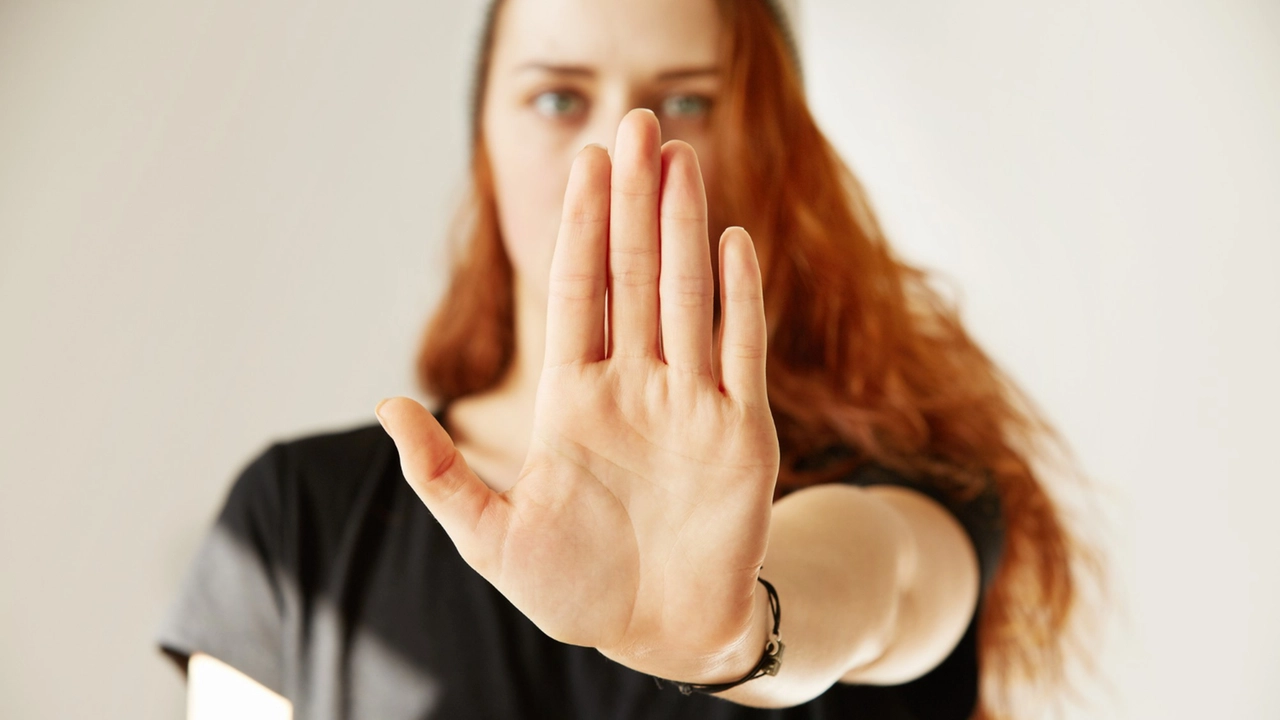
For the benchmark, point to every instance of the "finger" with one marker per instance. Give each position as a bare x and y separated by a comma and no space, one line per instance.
744,337
633,237
685,288
575,306
473,515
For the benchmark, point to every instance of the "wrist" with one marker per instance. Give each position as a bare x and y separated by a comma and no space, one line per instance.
741,656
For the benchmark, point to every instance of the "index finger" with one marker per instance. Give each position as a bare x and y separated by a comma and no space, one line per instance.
576,290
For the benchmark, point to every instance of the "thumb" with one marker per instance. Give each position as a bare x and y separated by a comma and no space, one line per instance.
473,515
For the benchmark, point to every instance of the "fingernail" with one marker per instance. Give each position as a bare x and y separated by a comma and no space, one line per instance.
377,410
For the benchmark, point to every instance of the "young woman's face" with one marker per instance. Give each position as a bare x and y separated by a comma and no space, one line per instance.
562,74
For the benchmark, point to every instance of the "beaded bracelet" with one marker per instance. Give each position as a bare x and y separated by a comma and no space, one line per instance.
769,662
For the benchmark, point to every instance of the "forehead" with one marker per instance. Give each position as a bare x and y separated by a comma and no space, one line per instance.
623,34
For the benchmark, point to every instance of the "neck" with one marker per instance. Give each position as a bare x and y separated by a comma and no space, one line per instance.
521,379
492,428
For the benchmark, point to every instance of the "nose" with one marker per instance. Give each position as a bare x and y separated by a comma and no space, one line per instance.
606,118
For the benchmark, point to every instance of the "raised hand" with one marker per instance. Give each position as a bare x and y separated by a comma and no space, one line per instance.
641,516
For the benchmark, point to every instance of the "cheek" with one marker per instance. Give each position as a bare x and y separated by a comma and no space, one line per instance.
716,220
530,182
710,175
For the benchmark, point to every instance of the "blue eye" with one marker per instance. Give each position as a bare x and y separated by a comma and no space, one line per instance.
555,103
685,105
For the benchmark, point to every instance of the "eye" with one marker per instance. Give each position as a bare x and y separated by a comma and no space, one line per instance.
685,106
558,103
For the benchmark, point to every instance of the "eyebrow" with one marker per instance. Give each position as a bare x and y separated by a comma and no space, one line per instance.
583,71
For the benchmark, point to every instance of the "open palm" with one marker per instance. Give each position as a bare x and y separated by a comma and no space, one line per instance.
640,518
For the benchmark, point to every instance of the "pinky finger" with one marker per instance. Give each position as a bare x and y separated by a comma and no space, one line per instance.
743,333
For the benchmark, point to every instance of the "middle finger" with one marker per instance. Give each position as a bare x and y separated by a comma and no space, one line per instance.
633,237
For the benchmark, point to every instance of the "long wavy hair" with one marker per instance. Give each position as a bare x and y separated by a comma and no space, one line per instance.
863,352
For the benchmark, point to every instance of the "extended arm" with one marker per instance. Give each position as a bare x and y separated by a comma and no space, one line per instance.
877,585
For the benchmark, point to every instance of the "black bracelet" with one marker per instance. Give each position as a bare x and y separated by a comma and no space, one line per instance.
769,662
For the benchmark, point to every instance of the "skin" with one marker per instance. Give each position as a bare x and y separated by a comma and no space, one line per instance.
563,73
217,690
617,485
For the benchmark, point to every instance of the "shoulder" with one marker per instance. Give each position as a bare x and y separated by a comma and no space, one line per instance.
305,475
334,456
273,535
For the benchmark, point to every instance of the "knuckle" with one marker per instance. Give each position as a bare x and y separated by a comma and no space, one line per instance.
445,466
633,278
636,189
695,218
584,216
687,291
747,351
745,296
642,250
576,286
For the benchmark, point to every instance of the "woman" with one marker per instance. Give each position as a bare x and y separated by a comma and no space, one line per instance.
590,508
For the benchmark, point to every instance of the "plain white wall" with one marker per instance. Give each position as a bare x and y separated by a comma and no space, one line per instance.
221,223
1101,179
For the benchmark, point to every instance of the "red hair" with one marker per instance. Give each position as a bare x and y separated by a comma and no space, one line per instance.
862,351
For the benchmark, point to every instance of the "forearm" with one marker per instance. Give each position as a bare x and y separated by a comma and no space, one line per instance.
840,560
876,586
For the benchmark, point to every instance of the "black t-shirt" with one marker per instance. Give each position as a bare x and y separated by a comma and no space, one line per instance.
327,580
